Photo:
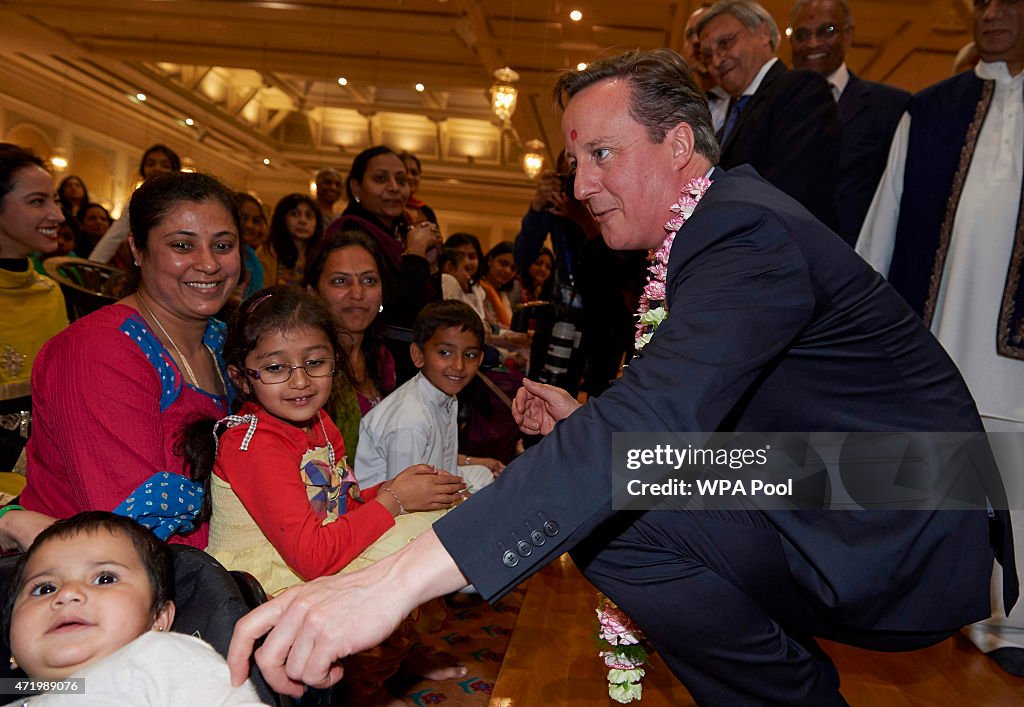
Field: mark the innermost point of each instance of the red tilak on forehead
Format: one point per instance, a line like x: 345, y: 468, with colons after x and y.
x: 573, y: 134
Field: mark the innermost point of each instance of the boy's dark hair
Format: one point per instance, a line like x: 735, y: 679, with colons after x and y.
x: 444, y: 314
x: 153, y: 552
x: 280, y: 308
x: 450, y: 255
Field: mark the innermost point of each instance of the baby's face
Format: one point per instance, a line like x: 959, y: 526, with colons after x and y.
x: 83, y: 598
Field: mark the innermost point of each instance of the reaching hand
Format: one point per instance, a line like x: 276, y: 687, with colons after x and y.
x: 314, y: 625
x: 537, y: 407
x: 423, y: 488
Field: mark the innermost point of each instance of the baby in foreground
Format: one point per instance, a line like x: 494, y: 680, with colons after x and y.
x: 94, y: 598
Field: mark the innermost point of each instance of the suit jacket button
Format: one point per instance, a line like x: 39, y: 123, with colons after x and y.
x: 537, y: 537
x: 524, y: 548
x: 510, y: 558
x: 550, y: 528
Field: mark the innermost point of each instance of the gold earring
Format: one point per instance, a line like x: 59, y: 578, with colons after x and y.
x: 14, y: 663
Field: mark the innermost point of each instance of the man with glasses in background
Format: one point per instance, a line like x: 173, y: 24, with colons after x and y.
x: 821, y: 32
x: 718, y: 99
x: 782, y: 122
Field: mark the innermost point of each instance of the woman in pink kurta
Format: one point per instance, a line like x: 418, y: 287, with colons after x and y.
x: 113, y: 391
x: 109, y: 404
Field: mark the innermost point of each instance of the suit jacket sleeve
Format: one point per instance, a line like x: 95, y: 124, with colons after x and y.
x: 721, y: 333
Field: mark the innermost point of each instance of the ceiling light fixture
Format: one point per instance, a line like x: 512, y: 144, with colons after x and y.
x: 59, y: 160
x: 141, y: 96
x: 581, y: 66
x: 266, y: 161
x: 342, y: 81
x: 420, y: 87
x: 503, y: 94
x: 533, y: 158
x: 575, y: 15
x: 189, y: 122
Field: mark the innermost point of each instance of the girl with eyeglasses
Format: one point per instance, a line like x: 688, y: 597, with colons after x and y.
x: 283, y: 503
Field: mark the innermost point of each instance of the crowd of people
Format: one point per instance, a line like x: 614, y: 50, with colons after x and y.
x: 290, y: 389
x: 121, y: 412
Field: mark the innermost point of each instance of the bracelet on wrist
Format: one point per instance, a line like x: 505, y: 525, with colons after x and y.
x: 401, y: 508
x: 12, y: 507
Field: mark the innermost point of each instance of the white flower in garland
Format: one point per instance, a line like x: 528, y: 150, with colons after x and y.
x: 652, y: 311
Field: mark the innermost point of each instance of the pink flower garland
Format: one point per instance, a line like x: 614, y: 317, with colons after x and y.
x: 652, y: 311
x: 624, y: 651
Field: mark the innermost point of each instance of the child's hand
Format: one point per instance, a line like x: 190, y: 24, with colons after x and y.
x: 493, y: 465
x: 424, y: 488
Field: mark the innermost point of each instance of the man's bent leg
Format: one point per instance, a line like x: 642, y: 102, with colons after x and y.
x: 713, y: 593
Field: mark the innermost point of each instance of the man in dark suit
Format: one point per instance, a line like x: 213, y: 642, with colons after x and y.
x: 774, y: 324
x: 821, y: 34
x: 782, y: 122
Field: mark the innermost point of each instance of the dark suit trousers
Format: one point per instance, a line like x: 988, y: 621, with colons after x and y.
x: 713, y: 592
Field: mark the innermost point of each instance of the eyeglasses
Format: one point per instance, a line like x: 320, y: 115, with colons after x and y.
x: 824, y: 32
x: 281, y: 372
x: 719, y: 46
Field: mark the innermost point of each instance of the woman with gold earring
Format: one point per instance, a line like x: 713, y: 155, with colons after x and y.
x: 112, y: 390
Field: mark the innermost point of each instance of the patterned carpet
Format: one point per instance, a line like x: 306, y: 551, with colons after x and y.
x: 477, y: 634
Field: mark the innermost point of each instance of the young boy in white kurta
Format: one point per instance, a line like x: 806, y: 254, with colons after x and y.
x: 418, y: 423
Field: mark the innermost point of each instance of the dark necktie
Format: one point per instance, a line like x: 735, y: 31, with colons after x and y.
x: 734, y: 113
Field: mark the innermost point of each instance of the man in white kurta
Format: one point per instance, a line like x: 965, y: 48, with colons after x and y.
x: 974, y: 271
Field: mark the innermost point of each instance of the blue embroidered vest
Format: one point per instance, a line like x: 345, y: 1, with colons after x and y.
x: 946, y: 120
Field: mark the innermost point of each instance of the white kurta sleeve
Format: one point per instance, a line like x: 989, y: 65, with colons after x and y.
x: 878, y: 234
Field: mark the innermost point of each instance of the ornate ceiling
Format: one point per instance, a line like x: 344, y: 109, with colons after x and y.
x: 259, y: 80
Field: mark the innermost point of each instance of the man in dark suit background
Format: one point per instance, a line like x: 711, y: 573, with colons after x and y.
x: 821, y: 34
x: 782, y: 122
x: 774, y: 325
x: 718, y: 99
